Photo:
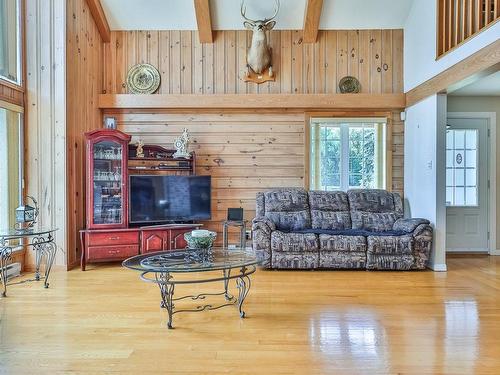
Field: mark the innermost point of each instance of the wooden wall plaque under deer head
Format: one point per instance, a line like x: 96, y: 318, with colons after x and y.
x: 259, y: 68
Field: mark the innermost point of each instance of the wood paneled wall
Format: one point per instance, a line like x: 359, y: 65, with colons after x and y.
x: 84, y: 56
x: 243, y: 152
x: 375, y: 57
x: 45, y: 130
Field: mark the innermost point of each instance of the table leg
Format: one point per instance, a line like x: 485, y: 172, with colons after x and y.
x: 227, y: 274
x: 167, y: 294
x: 224, y: 236
x: 243, y: 284
x: 50, y: 255
x: 5, y: 257
x: 47, y: 249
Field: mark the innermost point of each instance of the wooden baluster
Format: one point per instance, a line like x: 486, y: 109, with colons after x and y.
x: 463, y: 21
x: 487, y: 12
x: 470, y: 18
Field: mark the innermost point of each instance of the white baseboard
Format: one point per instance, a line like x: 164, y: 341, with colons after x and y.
x: 438, y: 267
x: 495, y: 252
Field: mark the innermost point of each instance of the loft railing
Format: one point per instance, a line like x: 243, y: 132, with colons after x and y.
x: 458, y: 20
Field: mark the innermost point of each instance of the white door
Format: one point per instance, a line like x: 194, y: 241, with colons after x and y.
x: 467, y: 185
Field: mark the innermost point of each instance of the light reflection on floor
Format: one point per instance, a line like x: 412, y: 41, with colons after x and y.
x: 349, y: 335
x: 353, y: 335
x: 462, y: 331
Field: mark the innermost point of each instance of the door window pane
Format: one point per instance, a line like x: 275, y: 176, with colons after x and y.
x: 9, y: 41
x: 461, y: 167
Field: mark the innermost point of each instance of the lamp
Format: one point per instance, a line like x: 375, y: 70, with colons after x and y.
x: 26, y: 215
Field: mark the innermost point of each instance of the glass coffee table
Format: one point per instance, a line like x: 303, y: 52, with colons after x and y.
x: 161, y: 267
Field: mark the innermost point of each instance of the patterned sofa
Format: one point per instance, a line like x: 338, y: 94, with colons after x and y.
x: 363, y: 228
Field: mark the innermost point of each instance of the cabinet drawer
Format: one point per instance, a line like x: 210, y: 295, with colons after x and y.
x: 113, y: 238
x: 112, y: 252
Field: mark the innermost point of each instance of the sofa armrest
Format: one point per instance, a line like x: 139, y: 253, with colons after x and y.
x: 262, y: 228
x: 422, y: 245
x: 408, y: 225
x: 263, y: 223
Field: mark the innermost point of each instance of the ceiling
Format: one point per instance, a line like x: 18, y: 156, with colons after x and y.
x: 487, y: 86
x: 179, y: 14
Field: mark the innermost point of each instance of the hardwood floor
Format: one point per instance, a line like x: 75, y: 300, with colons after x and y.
x: 105, y: 320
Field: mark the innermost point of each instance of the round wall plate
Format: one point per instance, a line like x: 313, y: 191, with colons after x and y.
x: 349, y: 85
x: 143, y: 79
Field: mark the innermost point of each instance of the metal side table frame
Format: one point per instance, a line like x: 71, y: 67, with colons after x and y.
x: 40, y: 240
x: 241, y: 224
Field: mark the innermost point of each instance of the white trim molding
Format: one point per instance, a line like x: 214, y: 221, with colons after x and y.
x: 438, y: 267
x: 492, y: 160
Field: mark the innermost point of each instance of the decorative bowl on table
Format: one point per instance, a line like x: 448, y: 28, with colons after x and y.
x: 200, y: 239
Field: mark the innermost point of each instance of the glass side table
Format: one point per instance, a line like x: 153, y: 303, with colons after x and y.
x: 241, y: 224
x: 40, y: 239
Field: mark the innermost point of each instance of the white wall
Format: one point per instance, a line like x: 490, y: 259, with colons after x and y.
x: 420, y: 62
x: 425, y: 130
x: 482, y: 104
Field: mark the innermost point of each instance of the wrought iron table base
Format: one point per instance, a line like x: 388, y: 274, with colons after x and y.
x: 43, y: 246
x: 165, y: 282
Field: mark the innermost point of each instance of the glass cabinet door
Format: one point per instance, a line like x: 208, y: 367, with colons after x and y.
x: 107, y: 182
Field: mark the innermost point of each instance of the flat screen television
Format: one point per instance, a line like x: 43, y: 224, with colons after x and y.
x: 167, y: 199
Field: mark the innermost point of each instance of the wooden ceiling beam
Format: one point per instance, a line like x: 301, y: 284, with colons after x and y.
x: 202, y: 10
x: 100, y: 19
x: 311, y: 20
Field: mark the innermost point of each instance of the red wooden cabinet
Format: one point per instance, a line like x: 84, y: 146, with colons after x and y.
x: 177, y: 240
x: 154, y: 240
x: 107, y: 163
x: 119, y: 244
x: 110, y: 159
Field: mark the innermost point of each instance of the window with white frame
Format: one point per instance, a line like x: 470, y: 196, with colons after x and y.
x: 347, y: 153
x: 10, y: 46
x: 10, y: 165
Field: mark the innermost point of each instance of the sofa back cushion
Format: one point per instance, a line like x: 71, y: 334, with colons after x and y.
x: 373, y: 209
x: 287, y: 208
x: 329, y: 210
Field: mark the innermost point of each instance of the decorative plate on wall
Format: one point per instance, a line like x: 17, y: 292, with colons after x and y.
x: 143, y: 79
x: 349, y: 85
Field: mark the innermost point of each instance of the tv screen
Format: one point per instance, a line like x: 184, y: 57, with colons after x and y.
x: 161, y: 199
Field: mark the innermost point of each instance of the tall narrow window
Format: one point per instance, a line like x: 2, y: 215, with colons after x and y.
x: 10, y: 166
x: 347, y: 153
x: 10, y: 51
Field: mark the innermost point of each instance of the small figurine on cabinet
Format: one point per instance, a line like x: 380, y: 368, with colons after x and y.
x: 181, y: 145
x: 140, y: 151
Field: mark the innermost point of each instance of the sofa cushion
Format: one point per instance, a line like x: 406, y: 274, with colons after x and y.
x: 329, y: 210
x: 390, y: 244
x: 342, y: 259
x: 342, y: 243
x: 288, y: 209
x: 373, y: 221
x: 295, y: 260
x: 375, y: 200
x: 373, y: 209
x: 353, y: 232
x: 293, y: 242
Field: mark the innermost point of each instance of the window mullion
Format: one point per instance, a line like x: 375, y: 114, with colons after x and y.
x: 344, y: 156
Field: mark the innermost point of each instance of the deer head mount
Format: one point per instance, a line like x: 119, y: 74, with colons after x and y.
x: 259, y: 55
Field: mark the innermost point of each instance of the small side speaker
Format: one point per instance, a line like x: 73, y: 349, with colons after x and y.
x: 235, y: 214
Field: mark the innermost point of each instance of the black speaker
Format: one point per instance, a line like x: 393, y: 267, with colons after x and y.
x: 235, y: 214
